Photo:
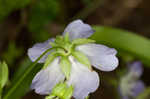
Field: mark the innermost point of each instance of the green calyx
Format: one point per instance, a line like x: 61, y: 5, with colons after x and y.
x: 64, y: 47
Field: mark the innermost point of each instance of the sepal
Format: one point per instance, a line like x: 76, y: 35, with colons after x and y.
x: 82, y: 58
x: 65, y: 66
x: 81, y: 41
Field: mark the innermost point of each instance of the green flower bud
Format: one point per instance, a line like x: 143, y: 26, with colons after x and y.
x: 61, y: 91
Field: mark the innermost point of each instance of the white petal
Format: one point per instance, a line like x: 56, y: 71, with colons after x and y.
x: 38, y: 49
x: 84, y: 80
x: 47, y: 78
x: 77, y: 29
x: 100, y: 56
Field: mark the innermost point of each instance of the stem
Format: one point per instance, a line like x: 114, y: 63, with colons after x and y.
x: 14, y: 87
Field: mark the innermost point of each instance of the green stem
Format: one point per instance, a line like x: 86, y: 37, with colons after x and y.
x: 14, y: 87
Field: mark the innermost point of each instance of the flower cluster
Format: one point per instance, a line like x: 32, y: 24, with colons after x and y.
x: 71, y: 60
x: 130, y: 85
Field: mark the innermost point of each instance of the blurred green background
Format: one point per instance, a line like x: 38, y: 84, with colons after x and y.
x: 25, y: 22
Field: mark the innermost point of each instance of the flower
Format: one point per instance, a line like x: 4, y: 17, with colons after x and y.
x: 71, y: 61
x: 130, y: 85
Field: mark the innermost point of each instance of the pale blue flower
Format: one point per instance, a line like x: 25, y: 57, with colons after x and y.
x: 83, y: 79
x: 131, y: 85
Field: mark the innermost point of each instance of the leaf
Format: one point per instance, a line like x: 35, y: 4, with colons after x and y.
x: 82, y: 58
x: 3, y: 74
x: 124, y: 41
x: 65, y: 66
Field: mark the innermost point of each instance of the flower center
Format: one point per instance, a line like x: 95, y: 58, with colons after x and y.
x: 62, y: 45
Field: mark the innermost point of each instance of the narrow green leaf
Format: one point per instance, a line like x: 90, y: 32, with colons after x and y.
x: 66, y: 37
x: 81, y: 41
x: 53, y: 44
x: 65, y: 66
x: 124, y: 41
x: 13, y: 92
x: 82, y: 58
x: 3, y: 74
x: 59, y: 40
